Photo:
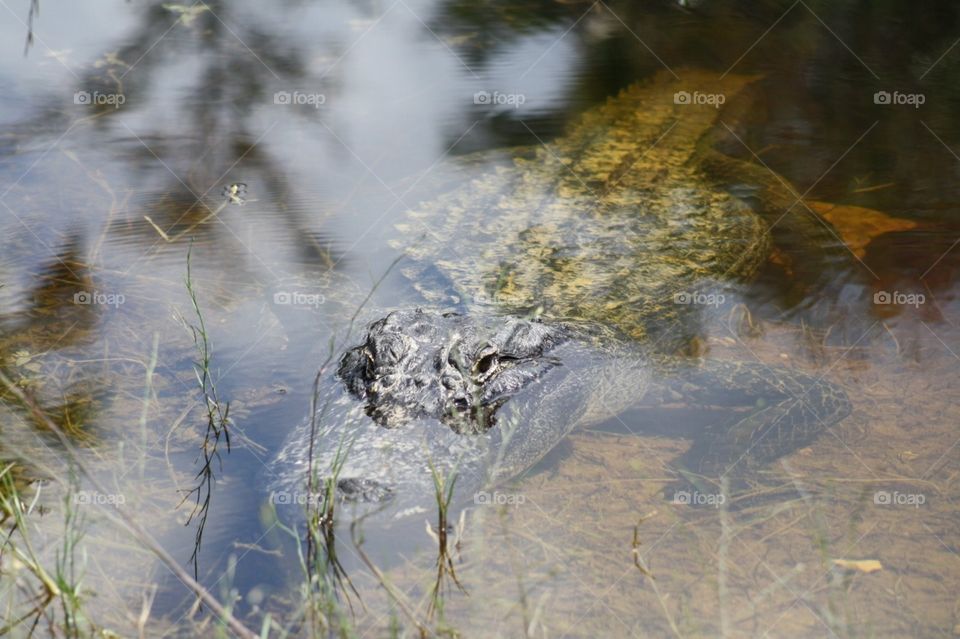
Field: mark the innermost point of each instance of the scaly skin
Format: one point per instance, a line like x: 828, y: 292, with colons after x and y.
x: 488, y: 396
x: 604, y: 224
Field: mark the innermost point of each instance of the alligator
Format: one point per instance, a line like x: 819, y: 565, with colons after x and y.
x: 554, y: 290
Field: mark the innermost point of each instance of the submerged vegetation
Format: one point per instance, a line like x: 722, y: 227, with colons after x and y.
x: 65, y: 584
x: 30, y: 595
x: 217, y: 427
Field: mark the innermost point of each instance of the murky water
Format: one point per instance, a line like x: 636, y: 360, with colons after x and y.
x: 278, y: 144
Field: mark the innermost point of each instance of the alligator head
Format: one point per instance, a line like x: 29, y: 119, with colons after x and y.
x: 456, y: 369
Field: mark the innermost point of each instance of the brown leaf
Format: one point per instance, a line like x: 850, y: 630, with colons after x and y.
x: 862, y: 565
x: 858, y: 225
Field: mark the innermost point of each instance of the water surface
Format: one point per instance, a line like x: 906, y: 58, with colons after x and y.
x: 123, y: 123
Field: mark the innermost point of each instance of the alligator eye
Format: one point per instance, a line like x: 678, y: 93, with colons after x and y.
x: 485, y: 364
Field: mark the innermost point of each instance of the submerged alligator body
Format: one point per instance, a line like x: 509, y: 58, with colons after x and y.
x: 565, y: 267
x: 487, y: 397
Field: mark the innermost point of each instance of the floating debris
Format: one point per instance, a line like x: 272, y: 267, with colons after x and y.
x: 236, y: 193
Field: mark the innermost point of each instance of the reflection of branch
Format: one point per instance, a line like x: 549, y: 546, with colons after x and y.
x: 128, y: 521
x: 311, y: 478
x: 321, y: 530
x: 218, y: 417
x: 320, y: 509
x: 443, y: 487
x: 34, y: 11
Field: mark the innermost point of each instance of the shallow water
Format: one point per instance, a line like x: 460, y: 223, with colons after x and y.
x: 123, y: 124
